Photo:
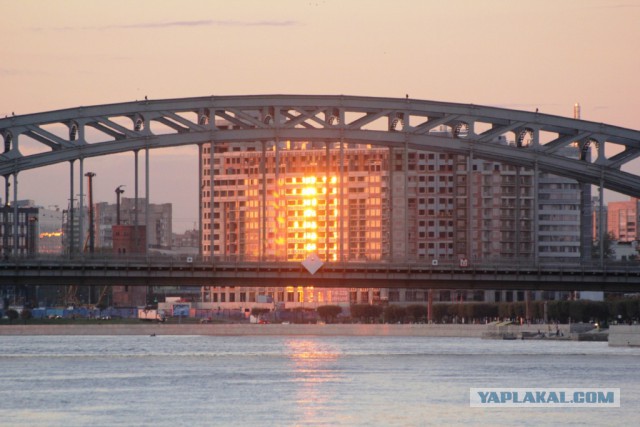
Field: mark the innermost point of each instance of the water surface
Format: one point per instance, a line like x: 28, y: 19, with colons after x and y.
x: 290, y: 381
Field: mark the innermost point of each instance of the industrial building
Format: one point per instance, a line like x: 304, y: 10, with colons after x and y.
x: 159, y: 227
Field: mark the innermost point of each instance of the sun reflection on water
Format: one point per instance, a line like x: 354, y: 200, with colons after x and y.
x: 314, y: 370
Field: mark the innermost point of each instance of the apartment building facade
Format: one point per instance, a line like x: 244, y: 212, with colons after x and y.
x: 622, y: 220
x: 365, y: 203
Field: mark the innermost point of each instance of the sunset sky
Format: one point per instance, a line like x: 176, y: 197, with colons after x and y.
x: 513, y: 54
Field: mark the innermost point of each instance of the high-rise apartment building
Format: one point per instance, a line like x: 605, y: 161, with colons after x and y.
x: 365, y: 203
x: 559, y: 221
x: 622, y: 220
x: 40, y: 230
x: 294, y: 208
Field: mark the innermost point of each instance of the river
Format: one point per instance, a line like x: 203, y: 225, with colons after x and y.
x: 291, y: 381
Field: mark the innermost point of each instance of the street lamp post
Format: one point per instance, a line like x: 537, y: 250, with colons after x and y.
x: 92, y: 241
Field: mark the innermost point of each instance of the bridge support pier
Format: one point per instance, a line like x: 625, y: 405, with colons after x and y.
x: 340, y: 216
x: 212, y: 152
x: 586, y: 225
x: 147, y: 214
x: 5, y: 217
x: 200, y: 202
x: 327, y: 192
x: 390, y: 204
x: 70, y: 216
x: 263, y: 208
x: 15, y: 214
x: 81, y: 206
x: 602, y: 232
x: 135, y: 203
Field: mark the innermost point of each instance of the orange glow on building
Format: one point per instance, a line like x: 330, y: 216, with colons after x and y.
x: 284, y: 201
x: 51, y: 234
x: 288, y: 205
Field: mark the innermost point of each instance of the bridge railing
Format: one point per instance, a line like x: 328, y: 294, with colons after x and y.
x: 556, y: 264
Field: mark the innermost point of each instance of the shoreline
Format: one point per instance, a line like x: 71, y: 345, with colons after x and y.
x: 424, y: 330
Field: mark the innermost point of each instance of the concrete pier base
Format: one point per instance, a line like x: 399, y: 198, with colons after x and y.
x: 624, y: 335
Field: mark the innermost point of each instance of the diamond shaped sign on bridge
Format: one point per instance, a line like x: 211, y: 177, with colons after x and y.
x: 312, y: 263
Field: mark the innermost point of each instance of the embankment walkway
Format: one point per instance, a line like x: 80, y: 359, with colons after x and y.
x: 433, y: 330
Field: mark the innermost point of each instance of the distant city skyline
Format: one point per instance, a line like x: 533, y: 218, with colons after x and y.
x: 544, y: 55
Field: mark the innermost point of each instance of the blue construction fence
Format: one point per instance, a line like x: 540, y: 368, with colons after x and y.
x: 178, y: 310
x: 85, y: 313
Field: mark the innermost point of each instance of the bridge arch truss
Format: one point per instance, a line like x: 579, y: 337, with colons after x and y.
x: 64, y: 135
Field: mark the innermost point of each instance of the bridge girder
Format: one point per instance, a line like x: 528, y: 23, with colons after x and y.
x: 471, y: 129
x: 567, y: 277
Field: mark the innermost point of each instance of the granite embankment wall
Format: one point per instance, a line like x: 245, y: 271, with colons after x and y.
x: 624, y: 335
x: 470, y: 331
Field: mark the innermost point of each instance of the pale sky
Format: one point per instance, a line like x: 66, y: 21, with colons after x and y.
x: 513, y: 54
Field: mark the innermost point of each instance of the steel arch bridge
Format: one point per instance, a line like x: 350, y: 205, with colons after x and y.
x: 472, y: 130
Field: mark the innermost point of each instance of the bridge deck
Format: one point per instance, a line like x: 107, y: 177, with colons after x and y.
x: 611, y: 277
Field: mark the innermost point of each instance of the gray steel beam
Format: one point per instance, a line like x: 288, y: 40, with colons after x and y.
x: 302, y: 123
x: 98, y: 272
